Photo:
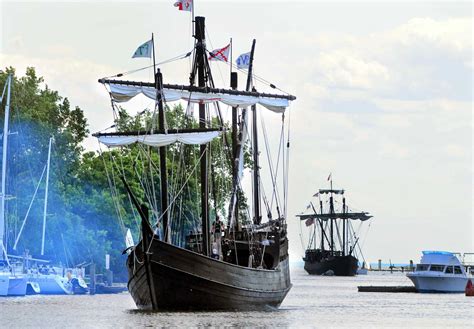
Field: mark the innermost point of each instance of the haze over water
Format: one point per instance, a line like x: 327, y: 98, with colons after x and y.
x: 313, y: 302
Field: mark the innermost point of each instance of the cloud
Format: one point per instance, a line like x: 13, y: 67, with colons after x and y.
x: 342, y: 69
x: 450, y: 34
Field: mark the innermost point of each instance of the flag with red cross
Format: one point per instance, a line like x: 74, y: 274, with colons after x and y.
x: 221, y: 54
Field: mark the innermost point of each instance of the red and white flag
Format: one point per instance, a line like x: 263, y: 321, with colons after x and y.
x: 185, y: 5
x: 221, y: 54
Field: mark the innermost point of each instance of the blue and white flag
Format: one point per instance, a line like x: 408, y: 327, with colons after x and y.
x: 144, y: 50
x: 243, y: 61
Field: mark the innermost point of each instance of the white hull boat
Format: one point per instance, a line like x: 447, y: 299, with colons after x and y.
x: 11, y: 285
x: 17, y: 286
x: 51, y: 284
x: 439, y: 271
x: 4, y: 281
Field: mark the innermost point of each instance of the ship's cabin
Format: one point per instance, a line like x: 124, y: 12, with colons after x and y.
x: 448, y: 269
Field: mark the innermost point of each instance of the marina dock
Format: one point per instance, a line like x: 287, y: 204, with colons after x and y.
x: 397, y: 289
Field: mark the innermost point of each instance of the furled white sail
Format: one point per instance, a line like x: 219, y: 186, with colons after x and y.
x: 123, y: 93
x: 158, y: 140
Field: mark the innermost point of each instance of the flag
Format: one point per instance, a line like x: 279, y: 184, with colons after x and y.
x: 316, y: 194
x: 221, y: 54
x: 243, y: 61
x: 185, y: 5
x: 329, y: 177
x: 144, y: 50
x: 309, y: 221
x: 308, y: 206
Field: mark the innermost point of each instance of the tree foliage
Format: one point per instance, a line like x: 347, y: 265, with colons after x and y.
x: 86, y: 217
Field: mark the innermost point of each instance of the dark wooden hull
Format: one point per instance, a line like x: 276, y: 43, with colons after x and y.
x: 339, y: 265
x: 179, y: 279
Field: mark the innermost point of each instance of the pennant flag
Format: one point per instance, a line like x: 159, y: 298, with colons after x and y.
x: 185, y: 5
x: 144, y: 50
x: 221, y: 54
x: 329, y: 177
x: 308, y: 206
x: 309, y: 221
x: 316, y: 194
x: 243, y: 61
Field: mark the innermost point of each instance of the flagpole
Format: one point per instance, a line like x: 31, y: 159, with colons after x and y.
x: 154, y: 63
x: 192, y: 15
x: 231, y: 49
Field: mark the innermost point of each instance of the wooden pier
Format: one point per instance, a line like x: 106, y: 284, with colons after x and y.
x: 395, y: 289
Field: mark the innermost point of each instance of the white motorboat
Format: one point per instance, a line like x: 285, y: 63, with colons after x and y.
x: 439, y: 271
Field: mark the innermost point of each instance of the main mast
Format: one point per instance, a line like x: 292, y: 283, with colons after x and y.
x: 162, y: 151
x: 200, y: 60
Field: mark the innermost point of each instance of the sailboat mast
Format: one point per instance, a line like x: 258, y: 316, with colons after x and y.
x: 200, y: 53
x: 46, y: 196
x: 162, y: 151
x: 4, y: 168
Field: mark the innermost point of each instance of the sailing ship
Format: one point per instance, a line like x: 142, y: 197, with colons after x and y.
x: 333, y: 245
x: 238, y: 263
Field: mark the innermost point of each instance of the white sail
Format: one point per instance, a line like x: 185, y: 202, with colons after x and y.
x: 123, y: 93
x: 129, y: 239
x: 159, y: 140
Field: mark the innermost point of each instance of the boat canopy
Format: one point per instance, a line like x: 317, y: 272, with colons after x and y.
x: 431, y: 252
x: 362, y: 216
x: 158, y: 140
x: 123, y: 93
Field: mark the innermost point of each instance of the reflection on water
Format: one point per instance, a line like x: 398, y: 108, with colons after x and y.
x: 320, y: 302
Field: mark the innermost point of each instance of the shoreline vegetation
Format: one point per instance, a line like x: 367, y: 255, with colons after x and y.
x: 86, y: 217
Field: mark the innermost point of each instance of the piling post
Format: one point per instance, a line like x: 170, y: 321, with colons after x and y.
x: 92, y: 279
x: 380, y: 264
x: 108, y: 272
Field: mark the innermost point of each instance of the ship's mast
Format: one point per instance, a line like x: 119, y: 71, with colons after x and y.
x: 200, y: 60
x: 321, y: 223
x: 344, y: 227
x: 235, y: 155
x: 331, y: 211
x: 4, y: 168
x: 162, y: 151
x: 255, y: 178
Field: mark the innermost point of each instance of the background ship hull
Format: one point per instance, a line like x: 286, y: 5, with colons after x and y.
x: 185, y: 280
x: 340, y: 265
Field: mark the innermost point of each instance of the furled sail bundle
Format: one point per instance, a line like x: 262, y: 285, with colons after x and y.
x: 158, y: 140
x: 123, y: 91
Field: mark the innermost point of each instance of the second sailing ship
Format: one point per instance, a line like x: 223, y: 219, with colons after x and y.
x: 333, y: 245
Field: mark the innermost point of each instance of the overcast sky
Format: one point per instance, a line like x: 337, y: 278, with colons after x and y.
x: 384, y: 95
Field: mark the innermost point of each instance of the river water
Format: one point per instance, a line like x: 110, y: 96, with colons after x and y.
x: 313, y: 302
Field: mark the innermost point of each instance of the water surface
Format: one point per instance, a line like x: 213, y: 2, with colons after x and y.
x: 313, y: 302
